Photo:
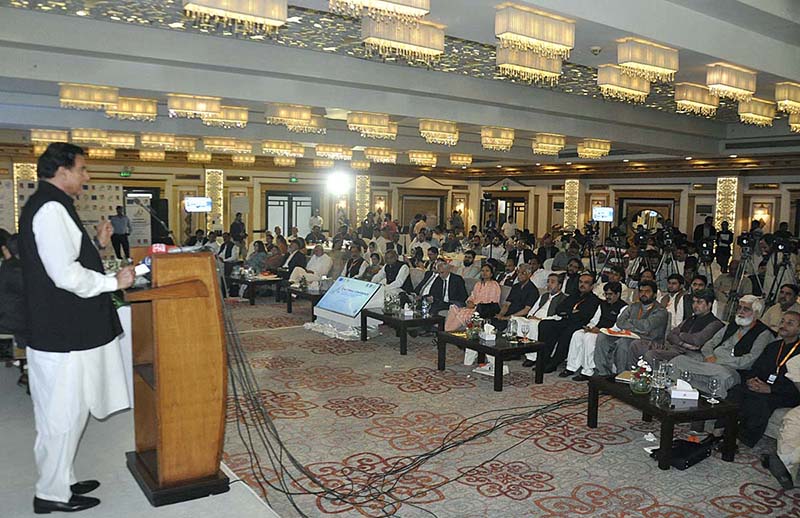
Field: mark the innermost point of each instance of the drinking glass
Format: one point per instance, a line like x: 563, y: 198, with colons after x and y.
x: 713, y: 387
x: 669, y: 372
x: 524, y: 327
x: 687, y: 376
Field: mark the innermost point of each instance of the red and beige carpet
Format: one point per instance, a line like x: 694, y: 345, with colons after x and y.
x: 353, y: 409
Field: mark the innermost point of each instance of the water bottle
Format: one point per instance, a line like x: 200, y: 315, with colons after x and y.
x: 425, y: 307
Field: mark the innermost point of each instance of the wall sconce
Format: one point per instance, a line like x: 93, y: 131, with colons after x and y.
x: 761, y: 212
x: 459, y: 205
x: 380, y: 203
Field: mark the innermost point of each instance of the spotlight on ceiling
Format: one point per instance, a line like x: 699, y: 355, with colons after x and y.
x: 339, y: 182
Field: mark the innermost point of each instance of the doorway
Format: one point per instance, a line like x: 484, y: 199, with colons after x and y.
x: 290, y: 209
x: 499, y: 209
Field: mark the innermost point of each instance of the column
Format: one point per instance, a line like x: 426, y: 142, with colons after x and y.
x: 725, y: 202
x: 572, y: 191
x: 362, y: 196
x: 23, y: 172
x: 214, y: 182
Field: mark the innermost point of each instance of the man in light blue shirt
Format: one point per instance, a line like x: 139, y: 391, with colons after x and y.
x: 121, y: 226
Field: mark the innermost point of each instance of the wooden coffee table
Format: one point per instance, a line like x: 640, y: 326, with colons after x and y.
x: 400, y: 323
x: 254, y: 283
x: 667, y: 414
x: 312, y: 295
x: 501, y: 349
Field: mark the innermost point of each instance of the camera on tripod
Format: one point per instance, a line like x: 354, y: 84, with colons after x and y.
x: 784, y: 246
x: 641, y: 237
x: 745, y: 240
x: 707, y: 250
x: 668, y: 237
x: 591, y: 229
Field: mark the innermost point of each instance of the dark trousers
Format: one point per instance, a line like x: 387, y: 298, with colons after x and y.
x: 723, y: 257
x: 120, y: 243
x: 755, y: 410
x: 556, y: 335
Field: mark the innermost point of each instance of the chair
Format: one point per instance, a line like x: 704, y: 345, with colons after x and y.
x: 548, y: 263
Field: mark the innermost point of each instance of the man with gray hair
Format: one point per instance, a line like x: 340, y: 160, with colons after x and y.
x: 733, y: 348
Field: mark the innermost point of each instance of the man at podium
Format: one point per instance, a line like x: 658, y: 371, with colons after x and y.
x: 74, y: 358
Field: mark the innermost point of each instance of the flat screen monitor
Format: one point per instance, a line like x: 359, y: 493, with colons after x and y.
x: 348, y: 296
x: 197, y: 204
x: 605, y: 214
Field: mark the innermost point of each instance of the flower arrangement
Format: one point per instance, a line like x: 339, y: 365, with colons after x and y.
x: 474, y: 325
x: 642, y: 375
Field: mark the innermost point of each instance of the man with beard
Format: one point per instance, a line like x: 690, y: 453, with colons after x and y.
x: 575, y: 312
x: 547, y: 250
x: 394, y: 275
x: 673, y: 301
x: 699, y: 283
x: 570, y: 286
x: 356, y: 265
x: 733, y: 348
x: 543, y: 309
x: 583, y: 342
x: 451, y: 244
x: 522, y: 297
x: 786, y: 301
x: 495, y: 250
x: 646, y: 318
x: 469, y: 269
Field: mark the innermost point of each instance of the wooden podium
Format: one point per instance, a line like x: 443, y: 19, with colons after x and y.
x: 180, y: 380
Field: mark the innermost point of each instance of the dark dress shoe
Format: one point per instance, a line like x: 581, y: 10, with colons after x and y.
x: 580, y: 377
x: 75, y: 504
x: 778, y: 469
x: 566, y: 373
x: 84, y: 486
x: 528, y: 363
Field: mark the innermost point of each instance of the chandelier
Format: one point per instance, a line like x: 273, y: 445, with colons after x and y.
x: 787, y: 95
x: 322, y: 163
x: 757, y: 112
x: 89, y: 136
x: 548, y: 143
x: 87, y: 97
x: 198, y: 156
x: 183, y: 144
x: 697, y: 99
x: 408, y: 11
x: 425, y: 158
x: 528, y: 66
x: 228, y: 117
x: 157, y: 140
x: 296, y: 117
x: 439, y: 132
x: 593, y: 148
x: 39, y: 149
x: 284, y: 161
x: 731, y: 82
x: 460, y: 159
x: 647, y: 59
x: 794, y: 122
x: 497, y: 139
x: 524, y: 28
x: 134, y: 109
x: 334, y: 152
x: 42, y: 136
x: 192, y: 106
x: 225, y: 145
x: 282, y: 148
x: 152, y: 155
x: 422, y: 41
x: 614, y: 84
x: 121, y: 141
x: 244, y: 160
x: 256, y: 16
x: 102, y: 153
x: 372, y: 125
x: 360, y: 165
x: 380, y: 155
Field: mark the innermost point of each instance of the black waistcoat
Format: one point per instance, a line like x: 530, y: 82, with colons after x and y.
x: 392, y: 270
x: 609, y: 313
x: 353, y: 267
x: 744, y: 345
x: 61, y: 321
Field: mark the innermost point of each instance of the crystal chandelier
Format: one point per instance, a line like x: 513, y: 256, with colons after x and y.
x: 360, y: 165
x: 697, y: 99
x: 43, y: 136
x: 282, y: 148
x: 198, y: 156
x: 614, y: 84
x: 390, y: 37
x: 528, y: 66
x: 524, y: 28
x: 244, y: 160
x: 460, y: 159
x: 256, y: 16
x: 593, y: 148
x: 228, y: 117
x: 380, y: 155
x: 439, y: 132
x: 731, y: 82
x: 794, y: 122
x: 121, y: 141
x: 284, y: 161
x: 787, y: 95
x: 372, y: 125
x: 757, y: 112
x: 102, y: 153
x: 647, y: 59
x: 548, y: 143
x: 152, y: 155
x: 89, y: 136
x: 424, y: 158
x: 193, y: 106
x: 295, y: 117
x: 87, y: 97
x: 183, y: 144
x: 322, y: 163
x: 134, y: 109
x: 222, y: 145
x: 497, y: 139
x: 158, y: 140
x: 334, y: 152
x: 408, y: 11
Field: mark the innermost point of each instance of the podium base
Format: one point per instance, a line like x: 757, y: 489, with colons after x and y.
x: 158, y: 496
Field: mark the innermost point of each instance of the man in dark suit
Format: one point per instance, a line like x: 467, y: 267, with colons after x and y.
x: 521, y: 254
x: 575, y: 311
x: 704, y: 231
x: 547, y: 250
x: 443, y: 287
x: 297, y: 255
x: 520, y: 300
x: 765, y: 386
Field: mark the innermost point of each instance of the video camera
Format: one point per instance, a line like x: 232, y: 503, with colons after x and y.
x: 668, y: 237
x: 745, y: 240
x: 591, y: 229
x: 784, y: 246
x: 706, y: 250
x: 641, y: 237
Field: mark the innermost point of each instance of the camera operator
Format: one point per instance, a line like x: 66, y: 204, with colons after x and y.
x: 781, y: 264
x: 704, y: 231
x: 724, y: 241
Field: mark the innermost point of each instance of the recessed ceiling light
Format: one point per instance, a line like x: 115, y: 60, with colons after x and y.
x: 688, y: 158
x: 176, y: 25
x: 733, y: 156
x: 463, y: 167
x: 569, y: 163
x: 625, y: 160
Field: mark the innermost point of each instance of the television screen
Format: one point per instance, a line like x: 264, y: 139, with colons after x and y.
x: 197, y: 204
x: 605, y: 214
x: 348, y: 296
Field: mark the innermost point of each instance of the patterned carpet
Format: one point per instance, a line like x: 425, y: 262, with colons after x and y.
x: 344, y: 405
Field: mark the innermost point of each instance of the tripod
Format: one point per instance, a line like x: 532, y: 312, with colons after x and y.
x: 666, y: 267
x: 746, y: 264
x: 588, y: 246
x: 780, y: 271
x: 614, y: 255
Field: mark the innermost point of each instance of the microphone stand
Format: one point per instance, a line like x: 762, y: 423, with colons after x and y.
x: 154, y: 215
